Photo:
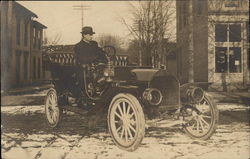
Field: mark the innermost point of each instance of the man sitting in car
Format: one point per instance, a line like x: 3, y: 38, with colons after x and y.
x: 87, y: 52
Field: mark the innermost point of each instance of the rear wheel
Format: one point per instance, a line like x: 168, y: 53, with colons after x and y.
x: 52, y: 111
x: 201, y: 119
x: 126, y: 121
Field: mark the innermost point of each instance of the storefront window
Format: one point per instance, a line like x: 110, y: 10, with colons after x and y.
x: 228, y: 48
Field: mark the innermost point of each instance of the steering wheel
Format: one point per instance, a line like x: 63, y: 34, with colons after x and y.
x: 110, y: 51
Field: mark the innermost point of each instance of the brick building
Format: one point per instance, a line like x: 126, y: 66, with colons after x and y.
x: 220, y: 33
x: 21, y: 41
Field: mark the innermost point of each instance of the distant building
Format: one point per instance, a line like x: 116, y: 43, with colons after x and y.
x: 21, y: 42
x: 169, y: 59
x: 220, y: 34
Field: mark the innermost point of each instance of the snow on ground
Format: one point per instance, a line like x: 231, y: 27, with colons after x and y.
x: 25, y: 135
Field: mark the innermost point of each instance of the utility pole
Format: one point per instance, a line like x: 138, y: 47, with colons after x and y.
x: 140, y: 44
x: 81, y: 8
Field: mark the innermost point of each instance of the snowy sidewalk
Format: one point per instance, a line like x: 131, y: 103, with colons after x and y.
x: 231, y: 97
x: 30, y: 95
x: 31, y: 89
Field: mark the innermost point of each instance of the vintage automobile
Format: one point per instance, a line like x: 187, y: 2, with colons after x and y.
x: 134, y: 98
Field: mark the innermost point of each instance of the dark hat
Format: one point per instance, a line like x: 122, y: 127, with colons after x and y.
x: 87, y: 30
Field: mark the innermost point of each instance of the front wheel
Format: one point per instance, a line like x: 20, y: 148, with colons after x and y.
x: 52, y: 111
x: 201, y: 119
x: 126, y: 121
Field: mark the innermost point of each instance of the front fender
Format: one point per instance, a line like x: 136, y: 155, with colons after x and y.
x: 193, y: 92
x: 169, y: 86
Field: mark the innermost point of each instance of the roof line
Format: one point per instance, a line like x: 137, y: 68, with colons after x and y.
x: 25, y: 9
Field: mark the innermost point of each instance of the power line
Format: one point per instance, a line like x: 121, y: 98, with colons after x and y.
x: 81, y: 8
x: 64, y: 26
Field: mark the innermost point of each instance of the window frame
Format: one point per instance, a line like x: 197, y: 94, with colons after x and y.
x: 26, y: 65
x: 229, y: 45
x: 34, y: 68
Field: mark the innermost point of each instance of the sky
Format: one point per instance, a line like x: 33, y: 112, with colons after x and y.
x: 61, y: 19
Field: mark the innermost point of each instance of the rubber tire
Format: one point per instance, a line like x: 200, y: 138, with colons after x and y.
x: 138, y: 108
x: 52, y: 90
x: 214, y: 124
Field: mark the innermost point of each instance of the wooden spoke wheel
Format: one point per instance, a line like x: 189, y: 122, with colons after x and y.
x: 126, y: 121
x: 202, y: 119
x: 52, y: 111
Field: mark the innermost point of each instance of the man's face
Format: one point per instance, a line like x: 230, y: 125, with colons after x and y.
x: 88, y: 37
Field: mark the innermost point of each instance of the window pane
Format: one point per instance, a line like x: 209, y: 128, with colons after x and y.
x: 220, y: 33
x: 26, y: 34
x: 234, y: 59
x: 34, y: 67
x: 235, y: 33
x: 38, y: 65
x: 25, y: 65
x: 18, y: 31
x: 18, y: 53
x: 220, y: 59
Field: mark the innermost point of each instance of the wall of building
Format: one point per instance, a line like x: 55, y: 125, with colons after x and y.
x: 19, y: 55
x: 212, y: 13
x: 228, y: 16
x: 20, y: 51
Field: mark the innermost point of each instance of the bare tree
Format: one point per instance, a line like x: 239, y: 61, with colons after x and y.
x: 151, y: 20
x: 55, y: 40
x: 113, y: 40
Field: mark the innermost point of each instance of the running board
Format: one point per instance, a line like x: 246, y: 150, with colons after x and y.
x: 75, y: 109
x: 163, y: 123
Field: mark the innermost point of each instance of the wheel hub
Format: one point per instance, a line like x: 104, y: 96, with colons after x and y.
x: 125, y: 121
